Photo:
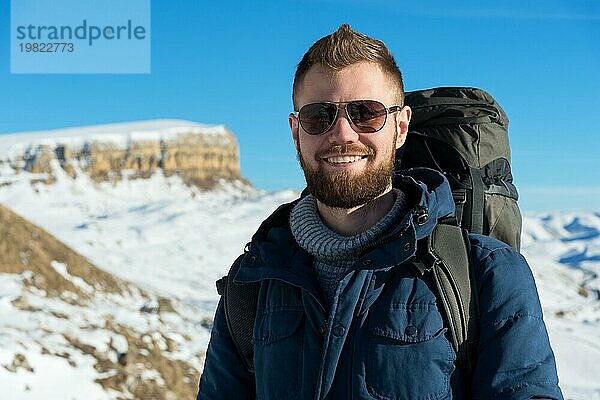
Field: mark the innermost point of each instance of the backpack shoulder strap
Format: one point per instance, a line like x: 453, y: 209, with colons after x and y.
x: 239, y: 303
x: 445, y: 254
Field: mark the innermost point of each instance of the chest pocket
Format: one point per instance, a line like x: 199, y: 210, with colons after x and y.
x: 277, y: 353
x: 408, y: 355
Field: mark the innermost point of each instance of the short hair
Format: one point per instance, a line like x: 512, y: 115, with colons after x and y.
x: 346, y: 47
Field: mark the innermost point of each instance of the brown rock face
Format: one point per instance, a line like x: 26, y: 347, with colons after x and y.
x: 199, y: 158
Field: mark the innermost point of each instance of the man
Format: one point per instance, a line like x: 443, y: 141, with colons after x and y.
x: 341, y: 313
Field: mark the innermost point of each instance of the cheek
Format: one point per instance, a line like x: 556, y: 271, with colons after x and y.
x: 309, y: 145
x: 383, y: 148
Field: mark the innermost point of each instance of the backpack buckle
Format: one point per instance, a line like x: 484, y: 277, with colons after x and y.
x: 459, y: 196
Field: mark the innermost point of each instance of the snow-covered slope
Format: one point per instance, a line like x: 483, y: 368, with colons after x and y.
x: 167, y: 238
x: 563, y: 250
x: 175, y: 241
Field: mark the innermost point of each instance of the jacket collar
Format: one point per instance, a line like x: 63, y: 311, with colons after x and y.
x: 274, y: 254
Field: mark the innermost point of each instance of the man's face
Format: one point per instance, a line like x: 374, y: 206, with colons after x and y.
x: 344, y: 168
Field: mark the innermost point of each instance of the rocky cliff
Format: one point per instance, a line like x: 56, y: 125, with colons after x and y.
x: 202, y: 155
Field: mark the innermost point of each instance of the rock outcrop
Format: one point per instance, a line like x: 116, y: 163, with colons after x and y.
x: 201, y: 155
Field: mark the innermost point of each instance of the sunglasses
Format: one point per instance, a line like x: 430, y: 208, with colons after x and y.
x: 366, y: 116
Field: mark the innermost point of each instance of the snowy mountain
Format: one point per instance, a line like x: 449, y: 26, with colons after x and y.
x: 200, y: 154
x: 128, y: 316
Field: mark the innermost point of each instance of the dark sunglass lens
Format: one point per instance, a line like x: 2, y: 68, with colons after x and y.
x: 368, y: 115
x: 317, y: 118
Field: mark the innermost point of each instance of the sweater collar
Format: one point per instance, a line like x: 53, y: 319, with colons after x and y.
x: 316, y: 238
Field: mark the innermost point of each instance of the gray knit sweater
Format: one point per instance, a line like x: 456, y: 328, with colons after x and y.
x: 334, y: 253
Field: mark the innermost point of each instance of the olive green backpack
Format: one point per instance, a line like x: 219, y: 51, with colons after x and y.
x: 463, y: 133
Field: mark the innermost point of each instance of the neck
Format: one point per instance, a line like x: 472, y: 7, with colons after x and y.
x: 352, y: 221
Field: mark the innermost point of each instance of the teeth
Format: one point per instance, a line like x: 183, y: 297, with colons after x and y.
x: 343, y: 159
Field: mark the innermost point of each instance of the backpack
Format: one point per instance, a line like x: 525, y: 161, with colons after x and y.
x: 462, y: 132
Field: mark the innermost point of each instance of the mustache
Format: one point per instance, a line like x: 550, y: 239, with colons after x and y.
x: 342, y: 149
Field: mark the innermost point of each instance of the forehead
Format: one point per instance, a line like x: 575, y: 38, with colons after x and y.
x: 359, y: 81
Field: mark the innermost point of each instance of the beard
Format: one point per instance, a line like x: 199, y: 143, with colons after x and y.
x: 348, y: 189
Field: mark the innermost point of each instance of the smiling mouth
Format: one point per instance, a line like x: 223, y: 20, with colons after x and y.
x: 344, y: 159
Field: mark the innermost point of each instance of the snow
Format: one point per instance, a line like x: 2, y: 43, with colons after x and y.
x: 171, y: 238
x: 563, y: 250
x: 175, y: 241
x: 52, y: 378
x: 44, y: 375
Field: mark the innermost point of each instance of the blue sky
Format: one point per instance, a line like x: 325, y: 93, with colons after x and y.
x: 232, y: 62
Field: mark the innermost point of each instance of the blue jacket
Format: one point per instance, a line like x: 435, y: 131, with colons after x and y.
x: 383, y: 337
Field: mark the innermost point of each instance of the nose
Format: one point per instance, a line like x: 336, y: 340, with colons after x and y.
x: 342, y: 132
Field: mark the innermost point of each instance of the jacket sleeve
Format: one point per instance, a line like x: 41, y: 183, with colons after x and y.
x: 514, y: 357
x: 224, y: 375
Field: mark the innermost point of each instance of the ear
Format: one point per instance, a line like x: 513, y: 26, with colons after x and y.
x: 402, y: 121
x: 293, y: 121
